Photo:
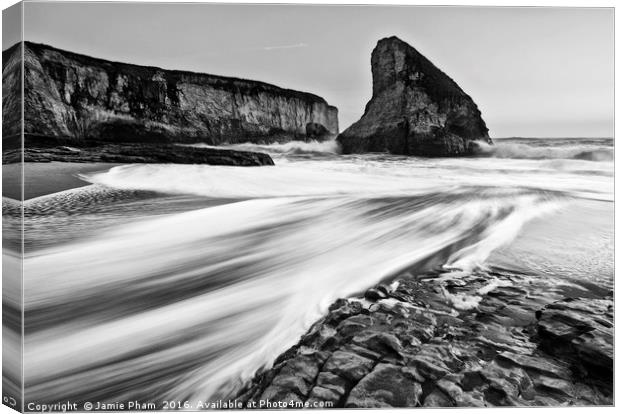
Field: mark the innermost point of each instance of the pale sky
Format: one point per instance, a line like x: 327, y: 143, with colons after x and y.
x: 537, y: 72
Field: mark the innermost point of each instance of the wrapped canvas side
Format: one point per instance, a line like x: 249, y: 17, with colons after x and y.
x: 12, y: 209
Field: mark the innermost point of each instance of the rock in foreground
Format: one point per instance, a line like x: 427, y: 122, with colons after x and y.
x: 496, y: 339
x: 415, y: 109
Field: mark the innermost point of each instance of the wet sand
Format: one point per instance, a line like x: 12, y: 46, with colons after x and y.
x: 46, y: 178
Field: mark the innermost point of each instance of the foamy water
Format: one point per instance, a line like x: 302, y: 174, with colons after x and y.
x: 187, y: 302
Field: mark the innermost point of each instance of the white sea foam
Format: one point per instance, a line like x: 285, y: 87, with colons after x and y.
x: 240, y: 281
x: 361, y: 176
x: 198, y: 301
x: 492, y: 285
x: 524, y: 151
x: 233, y: 182
x: 312, y: 147
x: 462, y: 301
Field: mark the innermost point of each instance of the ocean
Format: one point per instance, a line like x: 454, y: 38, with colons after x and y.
x: 179, y: 282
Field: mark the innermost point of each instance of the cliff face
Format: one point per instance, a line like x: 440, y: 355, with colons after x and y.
x: 11, y: 91
x: 76, y: 96
x: 415, y: 108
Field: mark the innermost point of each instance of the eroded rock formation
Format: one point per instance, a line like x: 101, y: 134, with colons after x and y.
x: 78, y: 97
x: 527, y: 342
x: 138, y: 153
x: 415, y: 108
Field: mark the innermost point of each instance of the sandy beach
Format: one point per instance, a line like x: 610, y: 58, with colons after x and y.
x: 46, y: 178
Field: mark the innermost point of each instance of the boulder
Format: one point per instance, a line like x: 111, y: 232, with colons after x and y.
x: 348, y: 365
x: 374, y: 295
x: 314, y: 130
x: 386, y: 386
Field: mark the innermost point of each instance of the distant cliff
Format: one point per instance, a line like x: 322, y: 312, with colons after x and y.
x: 415, y: 109
x: 68, y: 95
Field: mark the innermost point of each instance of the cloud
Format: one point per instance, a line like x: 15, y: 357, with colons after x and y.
x: 295, y: 46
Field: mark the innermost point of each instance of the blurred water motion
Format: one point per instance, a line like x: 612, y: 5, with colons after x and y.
x: 179, y: 281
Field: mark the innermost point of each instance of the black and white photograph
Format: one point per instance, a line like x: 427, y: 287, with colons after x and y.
x: 216, y: 206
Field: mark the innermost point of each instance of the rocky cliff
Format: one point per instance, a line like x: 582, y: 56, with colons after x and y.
x: 11, y: 92
x: 83, y: 98
x: 415, y: 108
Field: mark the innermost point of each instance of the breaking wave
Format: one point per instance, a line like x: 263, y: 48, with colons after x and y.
x: 292, y: 148
x: 367, y: 177
x: 524, y: 151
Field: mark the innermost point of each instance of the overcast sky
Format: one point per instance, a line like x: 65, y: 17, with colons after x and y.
x: 532, y: 71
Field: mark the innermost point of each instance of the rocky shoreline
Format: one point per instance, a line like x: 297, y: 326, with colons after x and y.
x: 487, y: 339
x: 138, y: 153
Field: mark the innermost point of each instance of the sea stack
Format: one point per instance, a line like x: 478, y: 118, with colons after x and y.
x: 415, y: 108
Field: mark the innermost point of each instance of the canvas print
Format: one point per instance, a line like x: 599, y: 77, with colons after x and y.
x: 216, y: 206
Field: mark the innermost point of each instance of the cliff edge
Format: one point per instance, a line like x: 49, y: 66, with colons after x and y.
x: 77, y: 97
x: 415, y: 108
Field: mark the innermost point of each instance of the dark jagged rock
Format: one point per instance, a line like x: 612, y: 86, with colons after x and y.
x: 373, y: 294
x: 415, y: 108
x: 413, y: 346
x: 386, y: 386
x: 11, y: 93
x: 81, y: 98
x: 139, y: 153
x: 580, y: 332
x: 316, y: 131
